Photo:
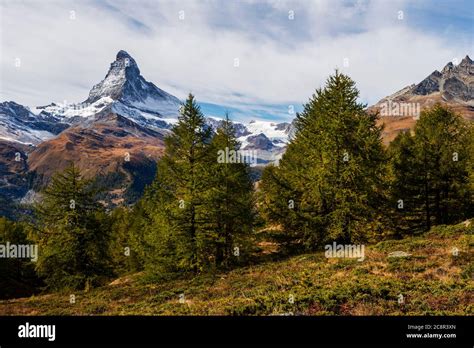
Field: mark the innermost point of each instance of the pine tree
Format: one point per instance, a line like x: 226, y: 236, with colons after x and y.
x: 431, y: 169
x: 174, y: 208
x: 72, y: 233
x: 329, y: 183
x: 230, y: 198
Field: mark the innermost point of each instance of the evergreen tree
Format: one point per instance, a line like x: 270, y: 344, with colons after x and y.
x: 229, y: 199
x: 329, y: 183
x: 72, y: 233
x: 175, y: 210
x: 431, y: 170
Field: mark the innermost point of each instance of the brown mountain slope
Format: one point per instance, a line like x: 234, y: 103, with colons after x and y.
x: 13, y: 167
x: 105, y: 145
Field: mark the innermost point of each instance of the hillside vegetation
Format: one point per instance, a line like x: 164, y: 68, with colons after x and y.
x: 431, y: 280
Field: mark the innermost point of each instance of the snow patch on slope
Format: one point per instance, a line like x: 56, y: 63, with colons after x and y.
x: 70, y: 111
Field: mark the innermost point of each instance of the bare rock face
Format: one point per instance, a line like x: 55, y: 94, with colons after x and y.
x: 428, y: 85
x: 454, y: 81
x: 259, y: 142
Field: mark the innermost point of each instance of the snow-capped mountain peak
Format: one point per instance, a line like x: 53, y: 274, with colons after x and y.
x: 124, y: 67
x: 125, y: 84
x: 124, y: 91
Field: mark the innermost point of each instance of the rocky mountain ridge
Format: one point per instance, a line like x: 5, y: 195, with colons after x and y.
x: 452, y: 86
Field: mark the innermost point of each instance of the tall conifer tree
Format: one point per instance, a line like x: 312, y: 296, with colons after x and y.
x: 72, y: 233
x: 176, y: 206
x: 329, y: 183
x: 230, y: 198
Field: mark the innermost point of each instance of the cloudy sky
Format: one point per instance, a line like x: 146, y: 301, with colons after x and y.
x: 285, y: 49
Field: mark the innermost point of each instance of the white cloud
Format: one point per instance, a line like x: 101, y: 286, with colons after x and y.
x: 281, y: 61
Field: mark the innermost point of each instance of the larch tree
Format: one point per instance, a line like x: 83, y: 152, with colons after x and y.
x: 329, y: 183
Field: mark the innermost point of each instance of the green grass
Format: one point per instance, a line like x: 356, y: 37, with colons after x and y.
x: 432, y: 282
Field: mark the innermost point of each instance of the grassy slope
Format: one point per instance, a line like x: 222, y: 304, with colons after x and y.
x: 432, y: 281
